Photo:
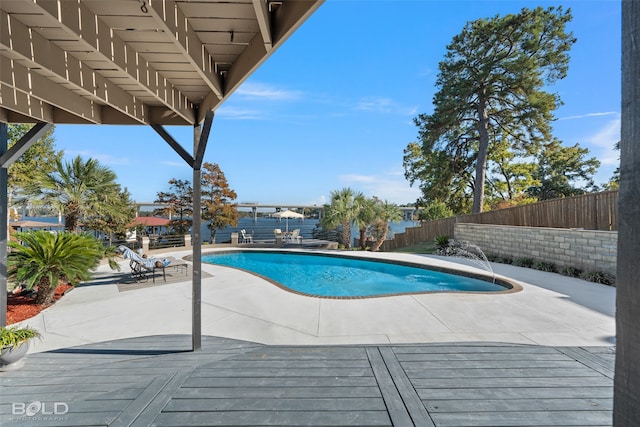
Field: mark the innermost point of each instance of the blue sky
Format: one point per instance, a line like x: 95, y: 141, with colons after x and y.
x: 334, y: 106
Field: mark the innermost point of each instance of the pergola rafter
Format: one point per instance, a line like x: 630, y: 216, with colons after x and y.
x: 172, y: 20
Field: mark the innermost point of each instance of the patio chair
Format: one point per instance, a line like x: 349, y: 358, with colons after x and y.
x: 295, y: 236
x: 246, y: 238
x: 140, y: 266
x: 278, y: 234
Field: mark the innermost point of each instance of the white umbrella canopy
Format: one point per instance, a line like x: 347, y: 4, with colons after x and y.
x: 287, y: 214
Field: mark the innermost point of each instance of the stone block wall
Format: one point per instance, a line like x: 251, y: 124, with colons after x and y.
x: 589, y: 250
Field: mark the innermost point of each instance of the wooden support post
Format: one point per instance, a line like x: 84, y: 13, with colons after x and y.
x: 196, y: 241
x: 200, y: 138
x: 626, y: 408
x: 4, y: 221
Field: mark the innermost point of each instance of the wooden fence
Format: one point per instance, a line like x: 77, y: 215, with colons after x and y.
x: 594, y: 211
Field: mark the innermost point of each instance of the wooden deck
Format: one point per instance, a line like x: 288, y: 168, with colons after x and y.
x: 156, y: 381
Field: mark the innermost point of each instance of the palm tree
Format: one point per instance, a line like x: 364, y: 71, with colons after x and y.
x: 340, y: 212
x: 366, y: 215
x: 44, y: 258
x: 386, y: 213
x: 77, y: 188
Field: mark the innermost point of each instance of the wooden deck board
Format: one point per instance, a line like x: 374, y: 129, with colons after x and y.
x: 528, y: 418
x: 519, y: 405
x: 279, y: 418
x: 154, y: 381
x: 515, y: 393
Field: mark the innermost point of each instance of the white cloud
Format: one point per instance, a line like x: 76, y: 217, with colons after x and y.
x: 234, y: 113
x: 104, y: 159
x: 360, y: 179
x: 584, y: 116
x: 267, y: 92
x: 604, y: 140
x: 388, y: 185
x: 174, y: 164
x: 384, y: 105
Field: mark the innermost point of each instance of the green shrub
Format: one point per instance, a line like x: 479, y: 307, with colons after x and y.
x: 545, y: 266
x: 435, y: 210
x: 441, y: 241
x: 523, y: 262
x: 599, y: 277
x: 571, y: 271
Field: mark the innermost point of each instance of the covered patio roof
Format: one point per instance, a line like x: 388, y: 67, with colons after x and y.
x: 137, y: 62
x: 164, y: 62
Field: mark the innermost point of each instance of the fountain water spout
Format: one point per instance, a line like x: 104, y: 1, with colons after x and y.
x: 464, y: 249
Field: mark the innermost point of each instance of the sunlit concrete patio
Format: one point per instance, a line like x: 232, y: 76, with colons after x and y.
x: 550, y: 310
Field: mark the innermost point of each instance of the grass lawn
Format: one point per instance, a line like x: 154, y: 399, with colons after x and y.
x: 420, y: 248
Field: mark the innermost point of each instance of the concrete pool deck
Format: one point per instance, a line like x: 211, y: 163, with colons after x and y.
x: 551, y: 310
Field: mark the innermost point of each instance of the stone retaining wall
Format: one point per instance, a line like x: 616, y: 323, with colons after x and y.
x: 588, y: 250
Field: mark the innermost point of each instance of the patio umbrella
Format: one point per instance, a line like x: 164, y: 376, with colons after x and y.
x: 29, y: 224
x: 287, y: 214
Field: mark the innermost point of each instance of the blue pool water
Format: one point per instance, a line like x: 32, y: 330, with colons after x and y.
x: 331, y: 276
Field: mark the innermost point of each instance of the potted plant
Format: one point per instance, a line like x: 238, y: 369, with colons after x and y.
x: 14, y: 342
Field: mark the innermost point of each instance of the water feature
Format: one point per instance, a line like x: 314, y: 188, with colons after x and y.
x: 464, y: 249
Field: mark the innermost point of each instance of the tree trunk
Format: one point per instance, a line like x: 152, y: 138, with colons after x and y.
x: 45, y: 292
x: 71, y: 216
x: 626, y: 407
x: 363, y: 240
x: 346, y: 234
x: 381, y: 239
x: 481, y: 161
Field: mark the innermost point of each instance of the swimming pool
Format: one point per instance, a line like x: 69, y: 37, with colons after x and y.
x: 346, y: 277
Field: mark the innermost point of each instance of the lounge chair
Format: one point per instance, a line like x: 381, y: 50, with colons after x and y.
x: 246, y: 238
x: 140, y: 266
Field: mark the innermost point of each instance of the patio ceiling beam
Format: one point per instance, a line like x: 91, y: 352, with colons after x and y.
x: 264, y: 22
x: 87, y: 28
x: 22, y: 79
x: 174, y: 144
x: 30, y: 108
x: 24, y: 143
x: 170, y: 19
x: 40, y: 53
